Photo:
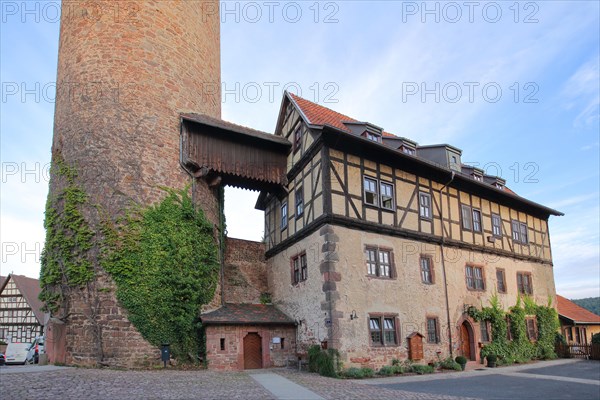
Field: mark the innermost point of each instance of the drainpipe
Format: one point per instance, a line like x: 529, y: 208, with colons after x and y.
x: 450, y: 347
x: 221, y: 240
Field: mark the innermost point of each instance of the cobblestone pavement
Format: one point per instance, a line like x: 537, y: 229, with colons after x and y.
x: 90, y: 384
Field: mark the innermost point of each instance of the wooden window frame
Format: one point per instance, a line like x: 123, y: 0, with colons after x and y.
x: 473, y: 268
x: 498, y: 226
x: 298, y: 138
x: 436, y: 323
x: 373, y: 137
x: 393, y: 197
x: 503, y: 273
x: 479, y: 221
x: 375, y: 193
x: 485, y: 325
x: 429, y: 260
x: 425, y: 207
x: 378, y: 271
x: 532, y: 334
x: 466, y: 218
x: 520, y: 232
x: 521, y: 287
x: 299, y: 201
x: 381, y: 318
x: 300, y: 270
x: 284, y: 215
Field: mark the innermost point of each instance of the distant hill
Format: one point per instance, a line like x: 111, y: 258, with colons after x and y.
x: 589, y: 303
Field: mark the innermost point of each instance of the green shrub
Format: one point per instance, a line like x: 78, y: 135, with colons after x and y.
x: 398, y: 369
x: 560, y: 339
x: 422, y: 369
x: 313, y: 355
x: 328, y: 363
x: 367, y: 372
x: 461, y: 360
x: 596, y: 338
x: 491, y: 358
x: 396, y: 361
x: 387, y: 370
x: 450, y: 364
x: 353, y: 373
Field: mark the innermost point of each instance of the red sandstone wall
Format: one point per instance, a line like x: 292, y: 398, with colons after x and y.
x: 245, y: 271
x: 126, y: 70
x: 232, y: 358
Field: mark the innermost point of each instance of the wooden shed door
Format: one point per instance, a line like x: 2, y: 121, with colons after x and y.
x: 252, y: 351
x: 465, y: 341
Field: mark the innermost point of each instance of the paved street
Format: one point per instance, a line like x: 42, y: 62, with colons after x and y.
x: 561, y: 379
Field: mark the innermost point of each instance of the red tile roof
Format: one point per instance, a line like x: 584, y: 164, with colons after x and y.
x: 572, y: 311
x: 243, y: 314
x: 319, y: 115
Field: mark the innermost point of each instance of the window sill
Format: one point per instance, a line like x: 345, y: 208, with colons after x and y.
x: 428, y: 219
x: 381, y: 278
x: 475, y: 290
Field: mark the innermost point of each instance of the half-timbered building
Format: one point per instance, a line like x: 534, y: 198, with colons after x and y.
x: 21, y: 315
x: 376, y: 237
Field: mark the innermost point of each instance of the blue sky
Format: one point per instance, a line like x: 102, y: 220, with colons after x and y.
x: 515, y: 85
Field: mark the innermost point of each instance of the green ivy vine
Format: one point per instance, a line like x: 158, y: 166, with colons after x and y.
x: 163, y: 259
x: 66, y: 259
x: 165, y: 264
x: 519, y: 349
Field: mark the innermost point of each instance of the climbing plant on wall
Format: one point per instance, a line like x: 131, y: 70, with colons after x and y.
x: 66, y: 261
x: 164, y: 261
x: 519, y: 348
x: 163, y: 258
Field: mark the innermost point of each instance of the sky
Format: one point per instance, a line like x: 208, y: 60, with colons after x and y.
x: 515, y: 85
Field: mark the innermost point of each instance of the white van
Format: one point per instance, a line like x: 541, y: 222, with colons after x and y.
x: 16, y: 353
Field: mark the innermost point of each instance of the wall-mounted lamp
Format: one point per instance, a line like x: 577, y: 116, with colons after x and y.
x: 299, y: 322
x: 353, y: 315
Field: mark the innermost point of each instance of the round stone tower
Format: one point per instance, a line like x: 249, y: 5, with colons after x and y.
x: 126, y: 71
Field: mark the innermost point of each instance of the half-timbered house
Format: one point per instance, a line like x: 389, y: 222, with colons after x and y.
x: 21, y: 315
x: 376, y: 237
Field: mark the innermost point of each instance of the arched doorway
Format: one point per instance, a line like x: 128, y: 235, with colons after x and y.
x: 252, y: 351
x: 467, y: 343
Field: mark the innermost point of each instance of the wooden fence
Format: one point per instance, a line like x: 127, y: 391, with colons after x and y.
x: 587, y: 351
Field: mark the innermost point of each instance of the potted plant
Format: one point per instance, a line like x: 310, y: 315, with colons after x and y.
x: 462, y: 361
x: 491, y: 360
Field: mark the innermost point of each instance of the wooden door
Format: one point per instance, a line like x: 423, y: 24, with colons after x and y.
x: 465, y: 341
x: 252, y: 351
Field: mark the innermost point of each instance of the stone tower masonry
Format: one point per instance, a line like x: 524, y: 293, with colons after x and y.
x: 126, y: 70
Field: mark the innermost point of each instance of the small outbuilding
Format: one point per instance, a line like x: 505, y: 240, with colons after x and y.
x: 248, y: 336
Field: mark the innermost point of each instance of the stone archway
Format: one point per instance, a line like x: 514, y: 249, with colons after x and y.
x: 467, y: 341
x: 253, y: 351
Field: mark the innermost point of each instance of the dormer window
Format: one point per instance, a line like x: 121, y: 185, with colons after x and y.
x: 478, y: 177
x: 499, y: 186
x: 372, y: 137
x: 407, y: 150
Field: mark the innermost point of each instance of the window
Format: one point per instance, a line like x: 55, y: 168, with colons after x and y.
x: 371, y: 191
x: 299, y: 202
x: 531, y: 328
x: 282, y: 343
x: 496, y: 225
x: 284, y: 215
x: 519, y: 232
x: 379, y: 262
x: 387, y: 195
x: 477, y: 177
x: 425, y: 205
x: 222, y: 344
x: 426, y: 270
x: 501, y: 280
x: 432, y: 330
x: 383, y: 330
x: 476, y: 220
x: 372, y: 137
x: 524, y: 283
x: 407, y: 150
x: 474, y: 277
x: 298, y: 138
x: 508, y: 329
x: 375, y: 329
x: 299, y: 268
x: 466, y: 217
x: 485, y: 333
